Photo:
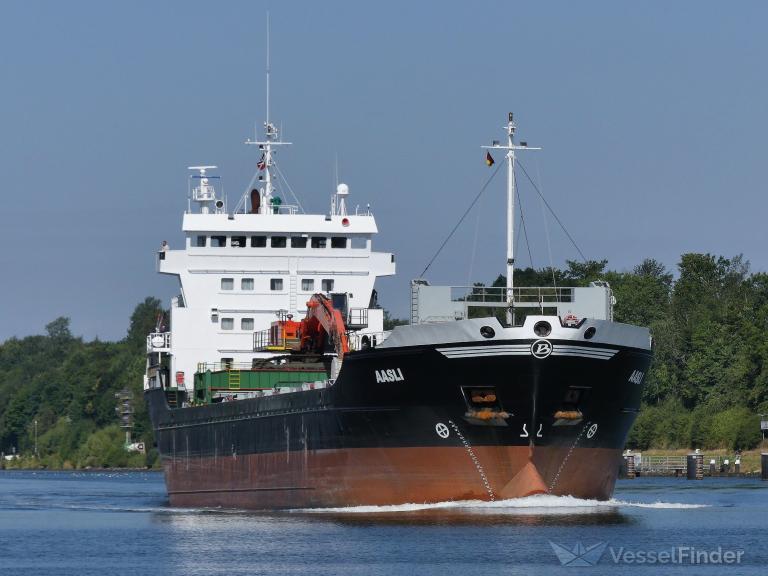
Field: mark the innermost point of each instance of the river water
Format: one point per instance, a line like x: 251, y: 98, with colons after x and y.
x: 83, y: 523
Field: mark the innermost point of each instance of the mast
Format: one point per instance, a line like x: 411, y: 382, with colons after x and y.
x: 511, y: 147
x: 510, y: 220
x: 271, y: 138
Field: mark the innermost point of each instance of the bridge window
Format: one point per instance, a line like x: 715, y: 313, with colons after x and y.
x: 227, y: 283
x: 298, y: 241
x: 276, y: 284
x: 258, y: 241
x: 279, y: 241
x: 200, y: 241
x: 246, y: 324
x: 227, y: 323
x: 307, y: 284
x: 238, y: 242
x: 218, y: 241
x: 327, y: 284
x: 359, y: 242
x: 246, y: 284
x: 338, y: 242
x: 319, y: 241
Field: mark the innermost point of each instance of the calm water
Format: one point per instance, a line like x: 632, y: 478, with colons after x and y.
x: 57, y: 523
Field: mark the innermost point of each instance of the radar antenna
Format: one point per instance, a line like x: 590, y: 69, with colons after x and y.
x: 204, y: 193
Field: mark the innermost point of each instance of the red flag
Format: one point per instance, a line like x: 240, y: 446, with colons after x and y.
x: 489, y: 159
x: 261, y: 164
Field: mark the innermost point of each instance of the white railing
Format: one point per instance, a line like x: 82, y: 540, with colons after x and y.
x: 491, y: 294
x: 357, y: 339
x: 284, y: 209
x: 158, y: 341
x: 357, y: 317
x: 223, y: 366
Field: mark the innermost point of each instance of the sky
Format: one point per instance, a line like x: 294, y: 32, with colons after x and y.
x: 652, y: 118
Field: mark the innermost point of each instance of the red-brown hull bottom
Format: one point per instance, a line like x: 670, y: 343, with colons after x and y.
x: 384, y: 476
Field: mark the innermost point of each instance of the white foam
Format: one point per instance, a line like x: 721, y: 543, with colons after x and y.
x: 538, y: 504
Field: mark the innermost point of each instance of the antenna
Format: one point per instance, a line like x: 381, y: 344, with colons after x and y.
x: 265, y: 163
x: 337, y: 168
x: 202, y: 169
x: 336, y: 184
x: 268, y: 27
x: 204, y: 193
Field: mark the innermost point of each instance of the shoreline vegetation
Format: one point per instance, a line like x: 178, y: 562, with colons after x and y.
x: 705, y: 389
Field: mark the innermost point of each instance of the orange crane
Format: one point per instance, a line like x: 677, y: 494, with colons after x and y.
x: 323, y: 321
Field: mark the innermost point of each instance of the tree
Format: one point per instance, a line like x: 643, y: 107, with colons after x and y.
x: 582, y: 273
x: 58, y: 329
x: 390, y: 323
x: 144, y: 320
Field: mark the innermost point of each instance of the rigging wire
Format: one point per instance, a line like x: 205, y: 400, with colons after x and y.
x: 245, y: 193
x: 474, y: 249
x: 584, y: 258
x: 522, y: 221
x: 527, y: 243
x: 463, y: 216
x: 280, y: 173
x: 546, y: 234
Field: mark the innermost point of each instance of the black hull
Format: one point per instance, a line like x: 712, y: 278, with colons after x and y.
x: 397, y: 427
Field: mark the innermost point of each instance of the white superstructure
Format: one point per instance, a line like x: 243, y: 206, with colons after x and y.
x: 239, y: 271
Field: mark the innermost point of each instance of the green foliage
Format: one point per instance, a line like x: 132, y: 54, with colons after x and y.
x: 736, y: 428
x: 390, y: 323
x: 665, y: 425
x: 68, y: 386
x: 105, y: 449
x: 582, y: 273
x: 144, y: 320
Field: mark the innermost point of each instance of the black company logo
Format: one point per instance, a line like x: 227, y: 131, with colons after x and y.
x: 541, y: 348
x: 579, y: 555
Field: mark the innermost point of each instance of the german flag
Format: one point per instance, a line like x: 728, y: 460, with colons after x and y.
x: 489, y: 159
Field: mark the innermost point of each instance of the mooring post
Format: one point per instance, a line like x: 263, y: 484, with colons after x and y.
x: 764, y: 466
x: 627, y: 470
x: 695, y: 466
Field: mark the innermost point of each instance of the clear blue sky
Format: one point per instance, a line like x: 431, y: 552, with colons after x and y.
x: 653, y: 117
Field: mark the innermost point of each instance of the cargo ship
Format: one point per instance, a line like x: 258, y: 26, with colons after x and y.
x: 276, y: 385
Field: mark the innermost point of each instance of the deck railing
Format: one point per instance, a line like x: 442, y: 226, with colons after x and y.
x: 159, y: 342
x: 492, y: 294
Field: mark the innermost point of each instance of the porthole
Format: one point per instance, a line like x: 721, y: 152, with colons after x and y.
x: 589, y: 333
x: 542, y: 329
x: 487, y: 332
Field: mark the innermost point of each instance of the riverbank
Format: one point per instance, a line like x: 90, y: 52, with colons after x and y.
x: 32, y: 463
x: 657, y: 462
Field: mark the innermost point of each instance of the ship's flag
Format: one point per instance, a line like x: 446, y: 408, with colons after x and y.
x: 489, y: 159
x: 261, y: 164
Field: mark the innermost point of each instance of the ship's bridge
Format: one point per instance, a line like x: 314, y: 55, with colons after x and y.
x: 239, y: 271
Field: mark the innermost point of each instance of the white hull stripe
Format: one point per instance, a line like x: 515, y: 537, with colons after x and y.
x: 525, y: 350
x: 471, y: 351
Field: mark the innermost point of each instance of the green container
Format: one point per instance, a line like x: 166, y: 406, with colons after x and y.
x: 209, y: 383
